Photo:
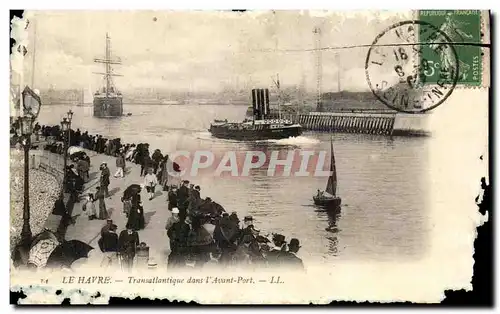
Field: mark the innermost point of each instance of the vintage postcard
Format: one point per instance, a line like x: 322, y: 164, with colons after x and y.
x: 250, y: 157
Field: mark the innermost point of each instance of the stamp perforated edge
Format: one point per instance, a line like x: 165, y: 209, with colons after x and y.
x: 485, y: 51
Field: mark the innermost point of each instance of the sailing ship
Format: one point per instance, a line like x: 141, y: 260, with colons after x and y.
x: 329, y: 198
x: 261, y: 126
x: 108, y: 101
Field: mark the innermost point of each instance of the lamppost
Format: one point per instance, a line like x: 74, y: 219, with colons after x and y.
x: 66, y: 128
x: 31, y: 108
x: 70, y: 117
x: 65, y: 125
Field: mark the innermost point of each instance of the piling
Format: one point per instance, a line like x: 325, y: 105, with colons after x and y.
x: 380, y: 123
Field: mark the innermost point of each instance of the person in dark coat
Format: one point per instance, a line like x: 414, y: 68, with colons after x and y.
x: 146, y: 162
x: 136, y: 218
x: 289, y: 258
x: 107, y: 226
x: 127, y: 244
x: 163, y: 173
x: 71, y: 184
x: 60, y: 209
x: 172, y: 198
x: 200, y: 242
x: 99, y: 196
x: 108, y: 243
x: 156, y: 158
x: 104, y: 181
x: 226, y: 233
x: 87, y: 159
x: 178, y: 234
x: 182, y: 198
x: 82, y: 167
x: 194, y: 200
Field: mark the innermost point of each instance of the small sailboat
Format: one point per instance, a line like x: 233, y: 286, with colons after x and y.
x: 329, y: 198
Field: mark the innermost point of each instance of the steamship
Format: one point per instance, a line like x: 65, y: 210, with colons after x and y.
x: 260, y: 126
x: 108, y: 101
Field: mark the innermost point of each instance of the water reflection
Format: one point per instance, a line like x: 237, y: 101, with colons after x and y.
x: 332, y: 230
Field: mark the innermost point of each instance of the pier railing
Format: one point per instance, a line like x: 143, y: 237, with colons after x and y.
x: 48, y: 162
x: 382, y: 122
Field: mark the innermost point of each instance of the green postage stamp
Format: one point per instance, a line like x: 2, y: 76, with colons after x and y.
x: 464, y: 31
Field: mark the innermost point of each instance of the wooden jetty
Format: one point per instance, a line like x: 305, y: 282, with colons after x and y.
x: 389, y: 123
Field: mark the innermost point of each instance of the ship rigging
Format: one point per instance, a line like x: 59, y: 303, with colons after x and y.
x: 108, y: 101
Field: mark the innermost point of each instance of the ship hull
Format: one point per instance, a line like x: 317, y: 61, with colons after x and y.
x: 108, y: 107
x: 253, y: 134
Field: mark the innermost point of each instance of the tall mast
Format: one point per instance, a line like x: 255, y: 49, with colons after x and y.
x: 108, y: 62
x: 108, y: 68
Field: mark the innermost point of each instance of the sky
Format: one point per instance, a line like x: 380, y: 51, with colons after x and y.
x: 202, y: 50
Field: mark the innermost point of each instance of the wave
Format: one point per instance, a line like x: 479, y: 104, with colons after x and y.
x: 297, y: 141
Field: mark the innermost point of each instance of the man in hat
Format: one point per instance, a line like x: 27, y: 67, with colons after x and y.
x: 109, y: 246
x: 178, y: 234
x: 289, y: 258
x: 279, y: 248
x: 248, y: 229
x: 127, y: 244
x: 172, y: 219
x: 107, y: 226
x: 104, y: 181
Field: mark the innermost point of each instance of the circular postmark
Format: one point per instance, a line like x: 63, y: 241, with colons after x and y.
x: 403, y: 57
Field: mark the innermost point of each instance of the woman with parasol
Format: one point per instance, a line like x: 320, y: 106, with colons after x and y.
x: 136, y: 217
x: 130, y: 197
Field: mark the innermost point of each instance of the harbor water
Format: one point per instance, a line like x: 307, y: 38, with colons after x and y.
x: 382, y: 180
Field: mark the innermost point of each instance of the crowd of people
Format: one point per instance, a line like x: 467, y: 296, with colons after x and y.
x: 78, y: 174
x: 193, y: 243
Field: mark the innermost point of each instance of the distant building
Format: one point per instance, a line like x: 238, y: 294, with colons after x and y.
x: 61, y: 96
x: 345, y: 100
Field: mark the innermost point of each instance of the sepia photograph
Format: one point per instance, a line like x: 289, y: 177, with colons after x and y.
x: 247, y: 157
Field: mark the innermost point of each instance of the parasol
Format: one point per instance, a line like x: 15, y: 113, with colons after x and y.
x: 66, y: 253
x: 75, y: 149
x: 130, y: 190
x: 41, y: 248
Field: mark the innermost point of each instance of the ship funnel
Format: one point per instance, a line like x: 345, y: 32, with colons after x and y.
x: 260, y: 103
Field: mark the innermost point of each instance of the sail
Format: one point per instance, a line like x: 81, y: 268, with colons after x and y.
x: 331, y: 186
